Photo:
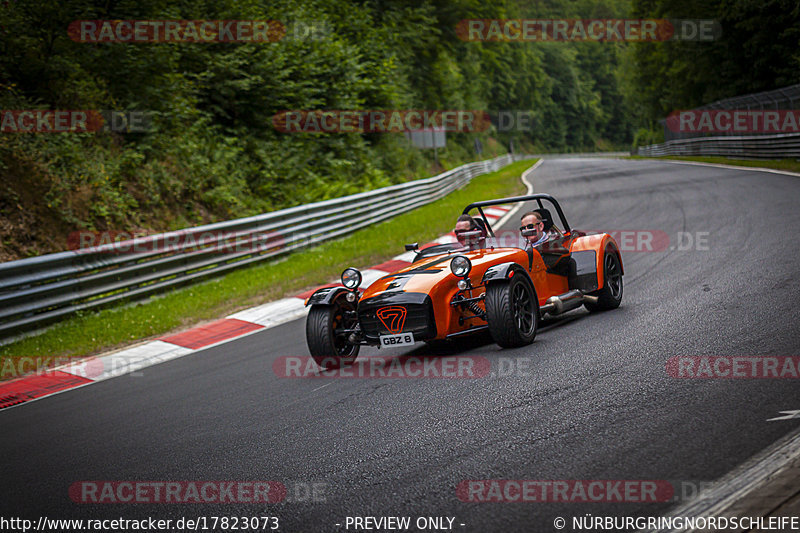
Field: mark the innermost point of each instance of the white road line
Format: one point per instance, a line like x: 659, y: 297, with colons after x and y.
x: 790, y: 415
x: 125, y: 361
x: 370, y: 276
x: 744, y: 489
x: 273, y: 313
x: 405, y: 256
x: 322, y: 387
x: 720, y: 165
x: 494, y: 212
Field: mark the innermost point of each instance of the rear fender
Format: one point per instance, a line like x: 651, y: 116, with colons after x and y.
x: 596, y: 243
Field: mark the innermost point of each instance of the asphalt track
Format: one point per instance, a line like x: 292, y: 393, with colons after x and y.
x: 596, y: 402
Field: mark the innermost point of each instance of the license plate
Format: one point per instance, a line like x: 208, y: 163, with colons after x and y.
x: 401, y: 339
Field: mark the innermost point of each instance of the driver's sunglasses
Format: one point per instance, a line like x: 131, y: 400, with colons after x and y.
x: 529, y: 226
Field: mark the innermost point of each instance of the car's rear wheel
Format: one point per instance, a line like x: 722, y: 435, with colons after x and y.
x: 328, y: 344
x: 512, y: 312
x: 610, y: 296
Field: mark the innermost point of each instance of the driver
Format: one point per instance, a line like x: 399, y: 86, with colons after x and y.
x: 532, y: 228
x: 468, y: 232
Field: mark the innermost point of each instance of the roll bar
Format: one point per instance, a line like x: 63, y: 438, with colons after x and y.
x: 514, y: 199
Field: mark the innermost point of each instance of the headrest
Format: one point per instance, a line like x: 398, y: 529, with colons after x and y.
x: 546, y: 217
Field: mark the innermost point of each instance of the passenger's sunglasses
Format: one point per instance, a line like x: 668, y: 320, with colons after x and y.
x: 529, y: 226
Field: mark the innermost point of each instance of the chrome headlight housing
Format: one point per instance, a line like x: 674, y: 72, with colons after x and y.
x: 460, y: 266
x: 351, y: 278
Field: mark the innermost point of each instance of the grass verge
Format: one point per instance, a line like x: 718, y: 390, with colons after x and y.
x: 791, y: 165
x: 107, y: 329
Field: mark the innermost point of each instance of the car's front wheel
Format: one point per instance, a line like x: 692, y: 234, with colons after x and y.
x: 512, y: 312
x: 326, y: 336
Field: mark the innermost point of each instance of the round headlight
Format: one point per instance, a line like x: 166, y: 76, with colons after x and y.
x: 351, y: 278
x: 460, y: 266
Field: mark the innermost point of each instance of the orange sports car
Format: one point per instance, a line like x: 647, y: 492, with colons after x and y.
x: 501, y: 283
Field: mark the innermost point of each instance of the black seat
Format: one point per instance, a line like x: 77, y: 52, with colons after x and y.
x: 555, y: 252
x: 547, y: 219
x: 481, y: 224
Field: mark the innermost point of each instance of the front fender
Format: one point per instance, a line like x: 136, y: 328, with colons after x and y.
x: 503, y: 272
x: 325, y: 295
x: 497, y: 272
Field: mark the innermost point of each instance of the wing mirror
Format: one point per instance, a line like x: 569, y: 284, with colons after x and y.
x: 412, y: 247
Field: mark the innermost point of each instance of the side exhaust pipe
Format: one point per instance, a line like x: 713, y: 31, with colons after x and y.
x: 568, y: 301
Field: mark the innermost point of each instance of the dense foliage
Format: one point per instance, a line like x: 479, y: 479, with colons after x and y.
x: 213, y: 153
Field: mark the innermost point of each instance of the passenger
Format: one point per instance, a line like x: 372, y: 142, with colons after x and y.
x: 469, y: 232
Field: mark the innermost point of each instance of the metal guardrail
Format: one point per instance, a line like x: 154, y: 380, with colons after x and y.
x: 42, y: 290
x: 741, y: 147
x: 785, y: 98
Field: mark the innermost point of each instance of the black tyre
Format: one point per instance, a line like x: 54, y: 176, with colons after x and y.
x: 512, y: 312
x: 610, y: 296
x: 329, y: 348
